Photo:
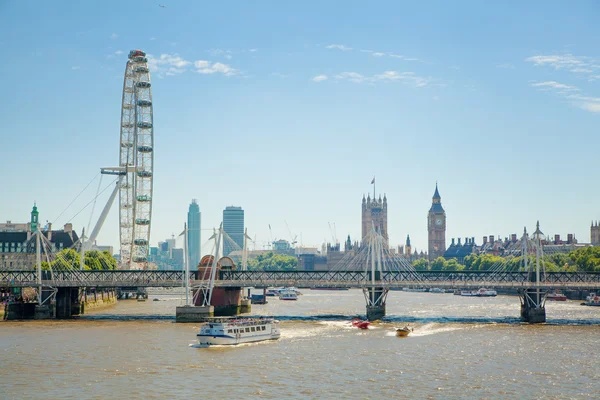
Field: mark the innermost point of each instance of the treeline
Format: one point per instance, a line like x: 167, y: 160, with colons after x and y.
x: 94, y: 261
x: 585, y: 259
x: 273, y: 262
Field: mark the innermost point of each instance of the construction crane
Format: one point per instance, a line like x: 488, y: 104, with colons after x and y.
x: 270, y: 238
x: 333, y: 238
x: 293, y: 238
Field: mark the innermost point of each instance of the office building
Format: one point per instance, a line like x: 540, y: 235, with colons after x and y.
x: 194, y: 240
x: 233, y: 226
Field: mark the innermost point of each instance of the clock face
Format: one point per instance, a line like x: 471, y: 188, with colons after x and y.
x: 438, y: 222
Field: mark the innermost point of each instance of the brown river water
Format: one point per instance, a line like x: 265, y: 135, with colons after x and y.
x: 462, y: 347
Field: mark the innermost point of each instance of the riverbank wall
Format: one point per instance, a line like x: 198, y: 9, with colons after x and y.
x: 98, y: 299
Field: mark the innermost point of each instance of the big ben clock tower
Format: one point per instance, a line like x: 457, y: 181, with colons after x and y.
x: 436, y: 227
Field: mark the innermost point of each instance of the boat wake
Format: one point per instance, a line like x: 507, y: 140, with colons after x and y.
x: 434, y: 328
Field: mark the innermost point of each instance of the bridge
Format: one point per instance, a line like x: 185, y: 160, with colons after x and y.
x: 373, y: 269
x: 304, y: 279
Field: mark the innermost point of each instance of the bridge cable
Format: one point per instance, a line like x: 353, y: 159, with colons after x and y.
x: 76, y: 197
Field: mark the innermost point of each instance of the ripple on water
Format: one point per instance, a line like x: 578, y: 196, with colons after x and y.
x: 458, y: 347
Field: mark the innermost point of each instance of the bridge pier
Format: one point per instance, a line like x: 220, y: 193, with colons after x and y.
x: 533, y: 305
x: 376, y: 298
x: 68, y: 303
x: 225, y: 301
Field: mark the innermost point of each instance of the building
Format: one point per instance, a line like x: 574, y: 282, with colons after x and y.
x: 436, y: 227
x: 233, y: 226
x: 100, y: 247
x: 166, y: 256
x: 282, y: 246
x: 18, y: 244
x: 510, y: 245
x: 595, y: 234
x: 194, y: 239
x: 374, y: 213
x: 459, y: 250
x: 312, y: 262
x: 177, y: 257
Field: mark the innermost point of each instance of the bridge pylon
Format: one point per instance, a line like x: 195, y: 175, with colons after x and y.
x: 375, y: 295
x: 533, y: 299
x: 376, y: 298
x: 533, y: 305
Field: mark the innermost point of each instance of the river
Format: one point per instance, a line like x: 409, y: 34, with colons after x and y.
x: 461, y: 347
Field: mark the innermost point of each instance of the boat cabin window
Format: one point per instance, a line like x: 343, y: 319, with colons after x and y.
x: 247, y: 329
x: 252, y: 329
x: 262, y: 327
x: 229, y: 331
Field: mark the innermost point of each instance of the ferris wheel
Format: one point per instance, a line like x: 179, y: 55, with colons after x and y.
x: 136, y: 158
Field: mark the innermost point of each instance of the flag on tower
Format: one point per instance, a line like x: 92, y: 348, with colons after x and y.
x: 373, y: 181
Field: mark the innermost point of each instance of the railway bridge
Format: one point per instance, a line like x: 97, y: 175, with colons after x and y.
x: 64, y: 285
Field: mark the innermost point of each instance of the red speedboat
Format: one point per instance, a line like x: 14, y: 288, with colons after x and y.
x: 359, y: 323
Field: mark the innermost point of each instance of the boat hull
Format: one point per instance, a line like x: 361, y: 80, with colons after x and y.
x: 207, y: 341
x: 361, y: 324
x: 402, y: 333
x: 556, y: 298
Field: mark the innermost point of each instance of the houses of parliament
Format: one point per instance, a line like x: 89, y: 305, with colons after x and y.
x: 374, y: 212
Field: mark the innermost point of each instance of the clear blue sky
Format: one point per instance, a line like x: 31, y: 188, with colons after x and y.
x: 289, y: 110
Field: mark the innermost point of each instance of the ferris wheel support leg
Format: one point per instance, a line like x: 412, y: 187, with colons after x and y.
x: 103, y: 215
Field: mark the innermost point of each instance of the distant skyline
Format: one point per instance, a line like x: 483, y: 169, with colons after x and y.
x: 289, y: 109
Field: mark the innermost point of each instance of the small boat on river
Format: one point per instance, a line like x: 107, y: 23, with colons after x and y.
x: 288, y: 295
x: 479, y: 293
x: 404, y: 331
x: 233, y: 331
x: 592, y: 300
x: 360, y: 324
x: 258, y: 299
x: 556, y: 296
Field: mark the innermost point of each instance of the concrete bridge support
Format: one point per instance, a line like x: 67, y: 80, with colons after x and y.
x: 68, y: 304
x: 533, y: 305
x: 226, y: 301
x: 376, y: 298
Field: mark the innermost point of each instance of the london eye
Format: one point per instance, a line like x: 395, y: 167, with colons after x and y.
x: 136, y: 158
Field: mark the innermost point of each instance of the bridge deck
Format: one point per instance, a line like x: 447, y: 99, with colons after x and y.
x: 392, y: 279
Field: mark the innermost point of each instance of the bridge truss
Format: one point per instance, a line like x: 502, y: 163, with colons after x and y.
x: 333, y: 279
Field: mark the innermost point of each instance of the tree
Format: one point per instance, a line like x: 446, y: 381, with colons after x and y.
x: 586, y: 259
x: 421, y: 264
x: 273, y: 262
x: 453, y: 265
x: 94, y: 260
x: 97, y: 260
x: 438, y: 264
x: 65, y: 260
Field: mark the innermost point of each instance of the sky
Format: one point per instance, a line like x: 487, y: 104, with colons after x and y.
x: 289, y: 109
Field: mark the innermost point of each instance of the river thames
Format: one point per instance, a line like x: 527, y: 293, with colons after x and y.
x: 461, y: 347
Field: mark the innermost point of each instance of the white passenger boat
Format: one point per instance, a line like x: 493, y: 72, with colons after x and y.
x: 592, y: 300
x: 479, y: 293
x: 232, y: 331
x: 288, y: 295
x: 486, y: 293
